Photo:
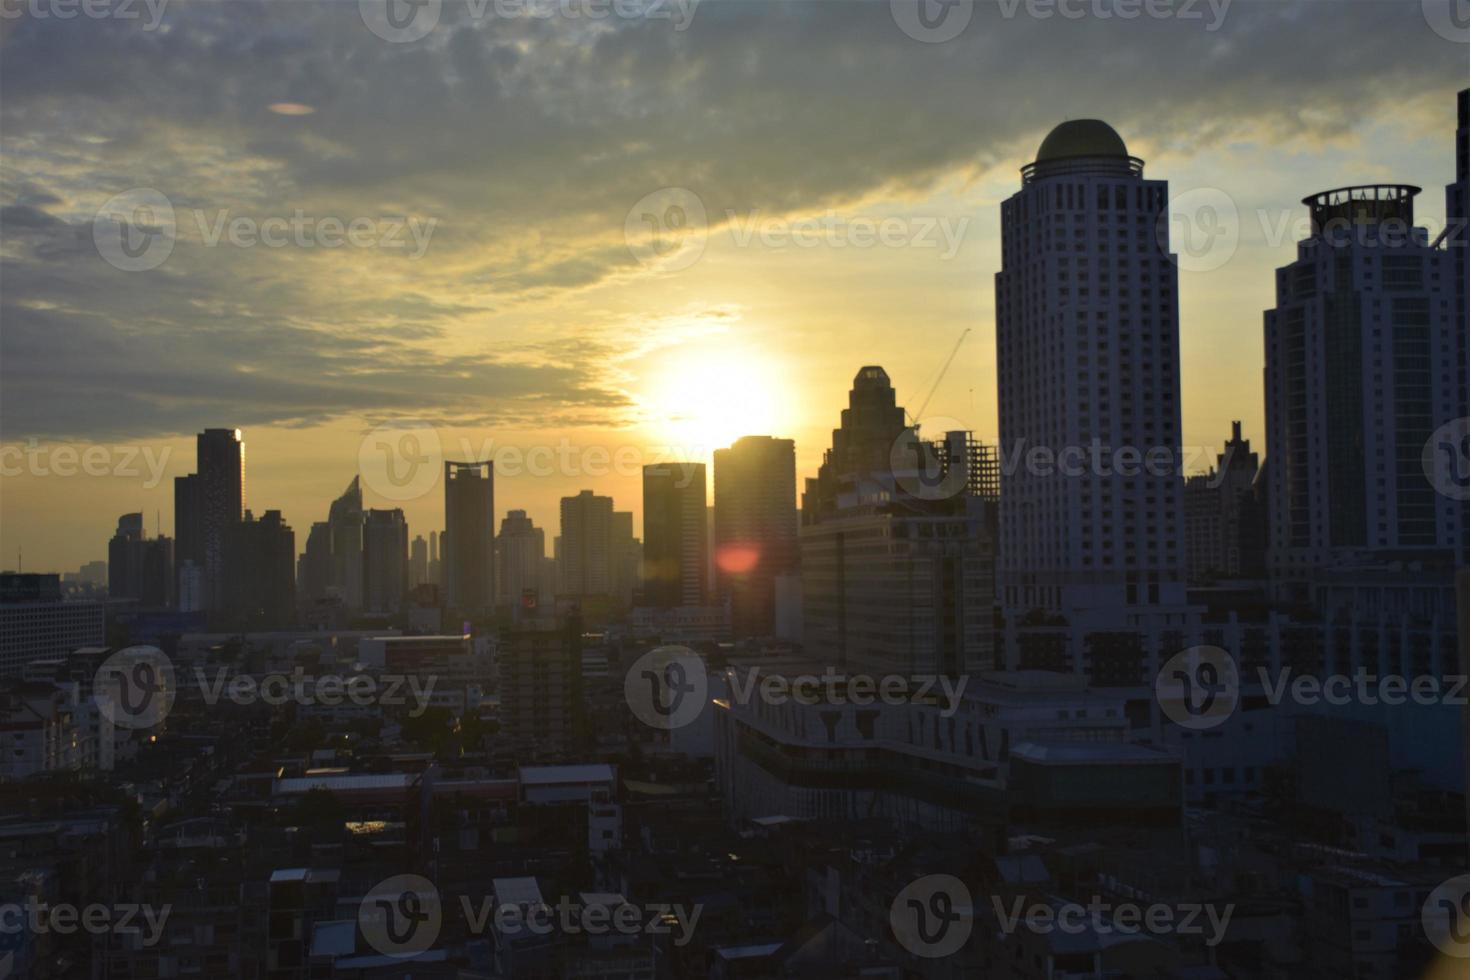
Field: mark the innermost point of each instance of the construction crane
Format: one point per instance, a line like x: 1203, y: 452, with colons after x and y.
x: 943, y: 369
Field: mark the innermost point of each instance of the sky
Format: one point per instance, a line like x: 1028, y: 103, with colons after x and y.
x: 582, y: 235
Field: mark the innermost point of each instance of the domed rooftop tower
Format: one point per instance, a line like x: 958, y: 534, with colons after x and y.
x: 1082, y: 147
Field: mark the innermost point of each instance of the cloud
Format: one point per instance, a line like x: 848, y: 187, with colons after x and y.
x: 526, y: 141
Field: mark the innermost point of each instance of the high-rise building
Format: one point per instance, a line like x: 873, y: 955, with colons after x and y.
x: 140, y: 567
x: 188, y: 539
x: 468, y: 543
x: 625, y: 558
x: 384, y: 561
x: 418, y: 562
x: 37, y: 623
x: 1363, y: 360
x: 436, y: 569
x: 521, y: 549
x: 261, y: 576
x: 755, y: 528
x: 897, y: 572
x: 125, y: 558
x: 1457, y: 221
x: 540, y: 664
x: 871, y: 424
x: 345, y: 521
x: 314, y: 570
x: 675, y: 535
x: 585, y: 564
x: 221, y: 501
x: 1087, y: 358
x: 1225, y: 523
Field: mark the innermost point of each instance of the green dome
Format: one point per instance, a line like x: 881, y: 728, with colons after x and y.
x: 1081, y: 138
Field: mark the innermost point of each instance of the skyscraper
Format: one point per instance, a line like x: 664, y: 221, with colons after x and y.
x: 314, y: 570
x: 624, y: 557
x: 585, y: 561
x: 1457, y: 219
x: 896, y: 577
x: 384, y: 561
x: 260, y: 581
x: 1361, y: 368
x: 221, y: 501
x: 418, y: 562
x: 675, y: 535
x: 436, y: 570
x: 521, y: 548
x: 345, y: 521
x: 188, y: 541
x: 863, y: 443
x: 125, y: 558
x: 468, y: 544
x: 755, y: 528
x: 1087, y: 358
x: 1225, y: 525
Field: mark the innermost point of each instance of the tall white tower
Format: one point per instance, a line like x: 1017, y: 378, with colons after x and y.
x: 1087, y: 355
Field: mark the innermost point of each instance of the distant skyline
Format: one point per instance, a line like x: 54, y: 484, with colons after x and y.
x: 528, y: 319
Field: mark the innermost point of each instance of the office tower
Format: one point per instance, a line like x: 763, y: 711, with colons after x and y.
x: 1361, y: 368
x: 384, y: 561
x: 1087, y: 358
x: 521, y: 548
x: 418, y: 562
x: 125, y: 558
x: 1225, y: 523
x: 37, y: 623
x: 345, y: 528
x: 584, y: 560
x: 863, y: 443
x: 221, y: 500
x: 188, y: 540
x: 1457, y: 220
x: 675, y: 535
x: 623, y: 554
x: 261, y: 577
x: 140, y: 567
x: 314, y: 571
x: 895, y: 578
x: 436, y: 574
x: 469, y: 537
x: 755, y: 528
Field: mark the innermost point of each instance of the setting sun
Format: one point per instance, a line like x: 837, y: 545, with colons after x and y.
x: 704, y: 400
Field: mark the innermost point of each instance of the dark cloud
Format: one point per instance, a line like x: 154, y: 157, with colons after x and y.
x: 526, y: 141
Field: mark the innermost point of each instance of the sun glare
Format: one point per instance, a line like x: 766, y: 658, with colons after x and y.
x: 704, y: 401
